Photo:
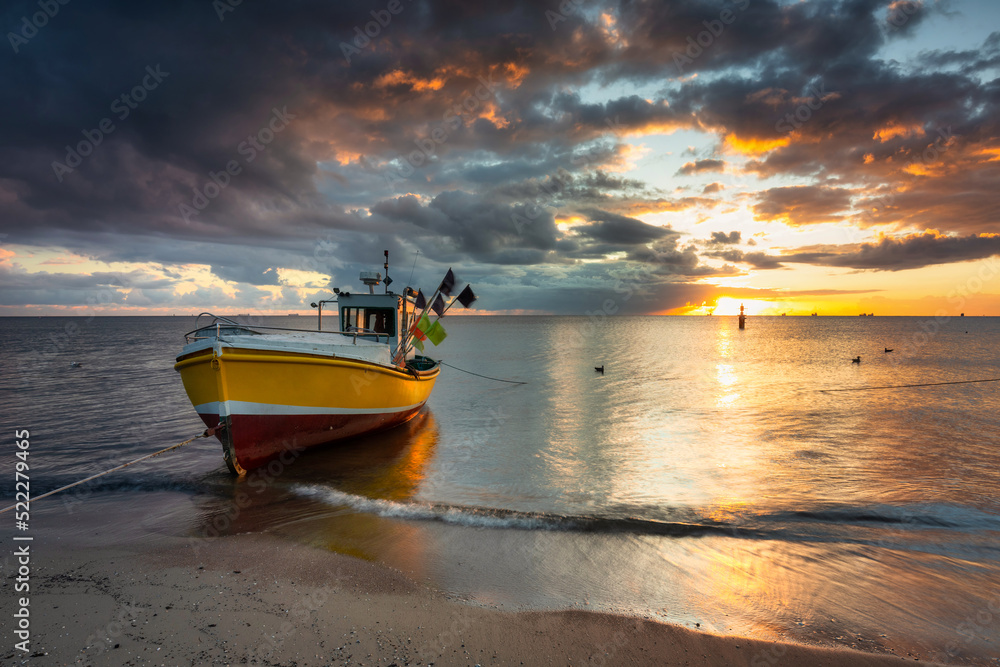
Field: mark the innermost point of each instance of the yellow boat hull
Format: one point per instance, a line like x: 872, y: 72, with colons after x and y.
x: 272, y: 402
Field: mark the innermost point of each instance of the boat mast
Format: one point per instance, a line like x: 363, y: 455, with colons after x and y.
x: 388, y: 280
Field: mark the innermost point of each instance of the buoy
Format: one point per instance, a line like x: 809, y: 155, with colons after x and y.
x: 743, y: 318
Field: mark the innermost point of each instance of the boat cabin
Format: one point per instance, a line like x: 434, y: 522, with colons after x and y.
x: 389, y: 314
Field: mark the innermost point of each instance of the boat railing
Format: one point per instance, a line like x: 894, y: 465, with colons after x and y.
x: 215, y: 318
x: 222, y: 324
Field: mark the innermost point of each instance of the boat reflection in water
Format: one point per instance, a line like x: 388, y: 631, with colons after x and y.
x: 387, y: 466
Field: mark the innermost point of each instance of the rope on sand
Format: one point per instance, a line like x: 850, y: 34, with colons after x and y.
x: 206, y: 434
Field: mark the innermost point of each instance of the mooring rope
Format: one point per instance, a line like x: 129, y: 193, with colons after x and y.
x: 906, y: 386
x: 206, y: 434
x: 482, y: 376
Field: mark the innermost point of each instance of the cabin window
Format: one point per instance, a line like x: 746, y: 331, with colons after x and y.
x: 379, y: 320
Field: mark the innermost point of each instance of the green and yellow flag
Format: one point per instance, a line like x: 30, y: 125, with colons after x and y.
x: 420, y: 327
x: 436, y: 333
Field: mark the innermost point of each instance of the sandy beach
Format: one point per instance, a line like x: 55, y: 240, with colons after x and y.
x: 253, y: 599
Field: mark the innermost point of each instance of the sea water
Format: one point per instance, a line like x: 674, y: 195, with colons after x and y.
x: 752, y: 482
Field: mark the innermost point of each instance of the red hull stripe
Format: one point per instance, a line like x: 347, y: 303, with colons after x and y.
x: 258, y: 439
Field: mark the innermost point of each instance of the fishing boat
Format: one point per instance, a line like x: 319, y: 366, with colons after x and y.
x: 271, y: 392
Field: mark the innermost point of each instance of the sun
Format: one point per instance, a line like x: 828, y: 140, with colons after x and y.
x: 728, y: 306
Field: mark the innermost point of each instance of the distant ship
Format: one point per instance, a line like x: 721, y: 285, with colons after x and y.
x: 293, y: 314
x: 814, y: 314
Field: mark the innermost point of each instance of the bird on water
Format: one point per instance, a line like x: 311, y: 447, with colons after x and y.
x: 856, y: 360
x: 888, y: 349
x: 599, y: 369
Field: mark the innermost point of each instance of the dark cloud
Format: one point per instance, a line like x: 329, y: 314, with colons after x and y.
x: 757, y: 260
x: 18, y: 287
x: 803, y: 204
x: 701, y: 166
x: 246, y: 274
x: 908, y: 252
x: 485, y: 231
x: 724, y: 238
x: 810, y: 35
x: 902, y: 17
x: 619, y: 229
x: 670, y: 258
x: 760, y: 260
x: 968, y: 62
x: 888, y: 254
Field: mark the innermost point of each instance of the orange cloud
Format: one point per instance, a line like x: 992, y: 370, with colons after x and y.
x: 492, y: 114
x: 755, y: 146
x: 895, y: 129
x: 399, y: 77
x: 515, y: 73
x: 609, y: 26
x: 921, y: 169
x: 345, y: 157
x: 992, y: 154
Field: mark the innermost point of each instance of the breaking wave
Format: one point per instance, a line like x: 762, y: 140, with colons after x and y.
x: 487, y: 517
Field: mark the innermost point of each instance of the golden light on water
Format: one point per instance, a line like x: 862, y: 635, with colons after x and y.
x: 728, y: 392
x: 400, y: 480
x: 729, y: 306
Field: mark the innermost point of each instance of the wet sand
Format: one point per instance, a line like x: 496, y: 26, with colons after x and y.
x: 258, y: 600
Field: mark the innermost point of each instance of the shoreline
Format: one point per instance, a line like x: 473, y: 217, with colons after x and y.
x: 261, y: 600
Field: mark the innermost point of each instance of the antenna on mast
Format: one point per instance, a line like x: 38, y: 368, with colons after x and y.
x: 388, y: 280
x: 416, y: 253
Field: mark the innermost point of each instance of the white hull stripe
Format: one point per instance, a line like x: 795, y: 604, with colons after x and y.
x: 249, y: 408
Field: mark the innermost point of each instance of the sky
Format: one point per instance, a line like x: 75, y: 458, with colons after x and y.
x: 573, y: 157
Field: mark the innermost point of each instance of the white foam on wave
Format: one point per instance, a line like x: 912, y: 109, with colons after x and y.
x: 417, y: 511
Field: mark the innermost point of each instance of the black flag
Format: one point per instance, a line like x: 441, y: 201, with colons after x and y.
x: 438, y: 306
x: 421, y: 301
x: 447, y: 284
x: 467, y: 296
